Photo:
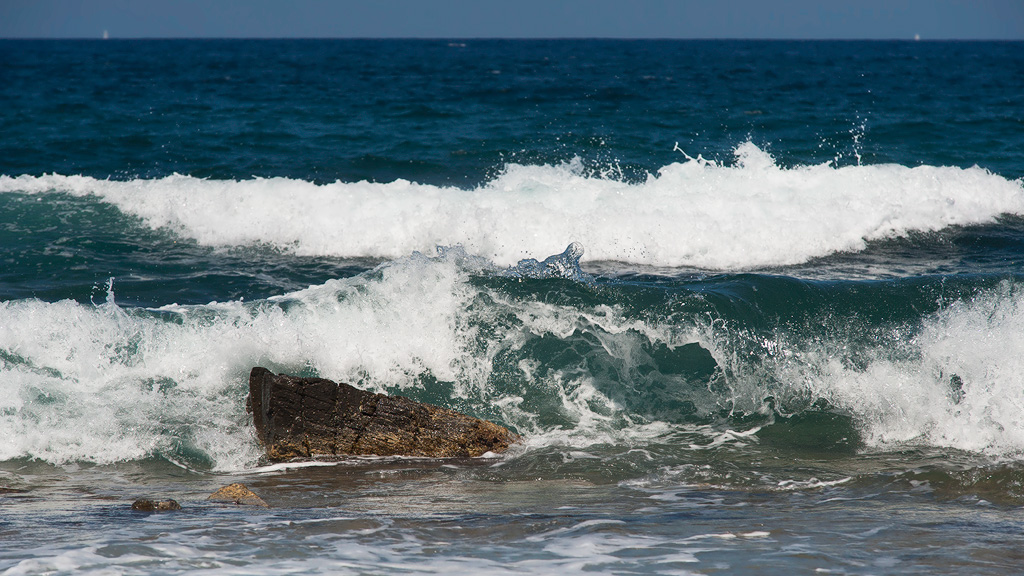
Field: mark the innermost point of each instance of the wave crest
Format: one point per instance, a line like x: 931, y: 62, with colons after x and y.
x: 694, y: 213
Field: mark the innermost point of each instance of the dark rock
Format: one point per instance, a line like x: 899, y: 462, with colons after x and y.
x: 237, y: 494
x: 143, y: 505
x: 311, y: 417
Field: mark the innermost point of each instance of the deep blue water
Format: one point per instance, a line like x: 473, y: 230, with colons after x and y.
x: 794, y: 340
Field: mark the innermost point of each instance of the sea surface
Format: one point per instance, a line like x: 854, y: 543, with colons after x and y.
x: 754, y: 307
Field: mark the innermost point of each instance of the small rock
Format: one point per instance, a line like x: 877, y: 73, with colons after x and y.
x: 143, y: 505
x: 238, y: 494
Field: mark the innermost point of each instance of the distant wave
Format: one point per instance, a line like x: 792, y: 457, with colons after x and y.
x: 693, y: 213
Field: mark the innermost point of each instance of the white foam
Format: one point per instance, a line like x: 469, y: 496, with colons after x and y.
x: 99, y: 384
x: 692, y: 213
x: 911, y: 398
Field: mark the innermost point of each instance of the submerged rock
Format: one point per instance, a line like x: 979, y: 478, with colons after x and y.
x: 314, y: 417
x: 143, y: 505
x: 237, y: 494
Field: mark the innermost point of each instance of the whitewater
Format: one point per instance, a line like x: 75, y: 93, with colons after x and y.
x: 697, y: 213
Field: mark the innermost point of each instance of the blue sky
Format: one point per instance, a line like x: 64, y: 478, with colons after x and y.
x: 795, y: 19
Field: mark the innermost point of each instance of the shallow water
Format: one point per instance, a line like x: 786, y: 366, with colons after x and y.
x: 366, y: 516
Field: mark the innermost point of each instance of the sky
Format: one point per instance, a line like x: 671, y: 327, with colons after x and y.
x: 771, y: 19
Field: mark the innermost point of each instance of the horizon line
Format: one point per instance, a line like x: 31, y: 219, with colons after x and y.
x: 517, y: 38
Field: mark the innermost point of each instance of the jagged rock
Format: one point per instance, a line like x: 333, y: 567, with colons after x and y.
x: 143, y: 505
x: 237, y: 494
x: 310, y: 417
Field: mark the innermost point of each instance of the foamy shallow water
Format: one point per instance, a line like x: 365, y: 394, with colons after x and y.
x: 428, y: 517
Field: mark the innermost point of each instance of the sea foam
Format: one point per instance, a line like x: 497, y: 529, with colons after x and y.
x: 959, y: 383
x: 694, y: 213
x: 103, y: 383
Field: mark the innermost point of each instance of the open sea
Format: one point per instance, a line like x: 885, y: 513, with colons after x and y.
x: 755, y: 307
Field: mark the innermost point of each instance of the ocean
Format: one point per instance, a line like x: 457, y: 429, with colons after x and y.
x: 755, y: 307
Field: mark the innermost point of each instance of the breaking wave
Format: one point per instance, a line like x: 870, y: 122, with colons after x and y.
x: 695, y: 213
x: 562, y: 361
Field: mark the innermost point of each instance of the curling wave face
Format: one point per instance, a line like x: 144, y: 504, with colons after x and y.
x: 563, y: 361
